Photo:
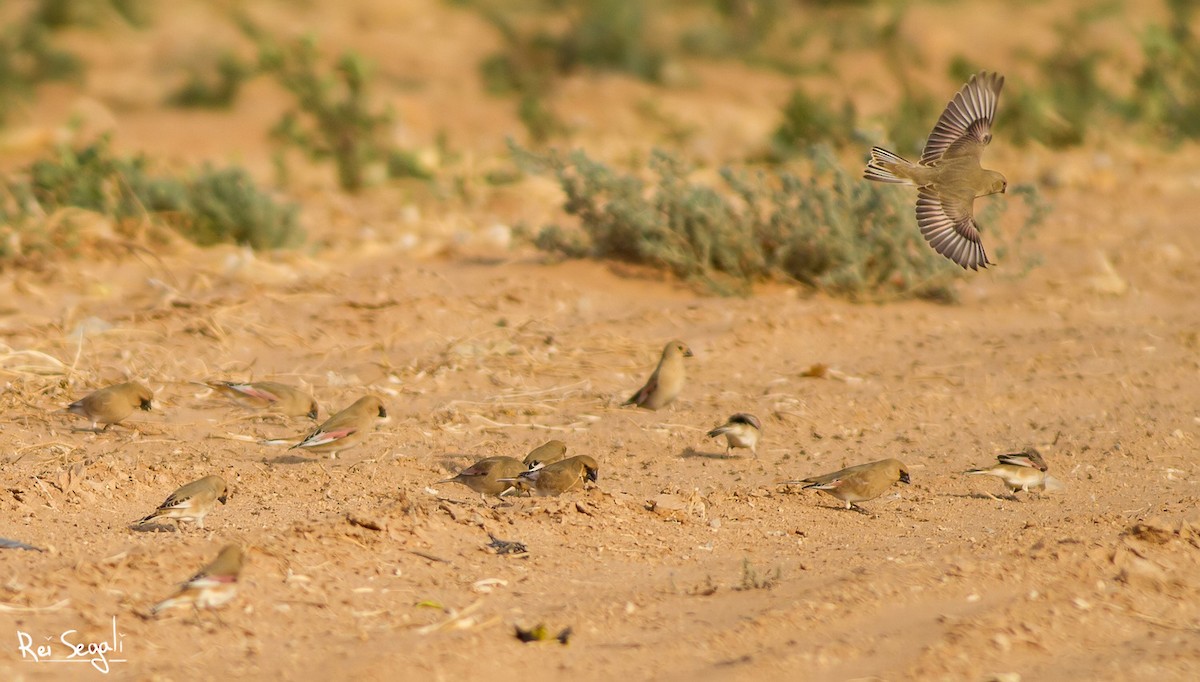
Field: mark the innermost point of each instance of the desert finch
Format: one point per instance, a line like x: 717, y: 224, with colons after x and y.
x: 346, y: 428
x: 268, y: 395
x: 193, y: 501
x: 666, y: 382
x: 948, y: 176
x: 215, y: 585
x: 859, y: 483
x: 561, y: 476
x: 490, y: 476
x: 112, y: 404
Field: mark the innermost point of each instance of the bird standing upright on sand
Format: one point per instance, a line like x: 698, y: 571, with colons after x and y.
x: 346, y: 428
x: 112, y: 404
x: 193, y: 501
x: 561, y: 476
x: 859, y: 483
x: 948, y: 176
x: 490, y: 476
x: 268, y: 395
x: 1025, y: 470
x: 547, y: 453
x: 742, y: 430
x: 665, y: 384
x: 215, y: 585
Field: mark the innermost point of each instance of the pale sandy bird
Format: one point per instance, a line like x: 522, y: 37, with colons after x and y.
x: 948, y: 176
x: 561, y: 476
x: 665, y: 384
x: 859, y: 483
x: 214, y: 586
x: 1020, y: 471
x: 742, y: 430
x: 346, y: 428
x: 112, y: 404
x: 546, y: 453
x: 268, y: 395
x: 490, y: 476
x: 193, y: 501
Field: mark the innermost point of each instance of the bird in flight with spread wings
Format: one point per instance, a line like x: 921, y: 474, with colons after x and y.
x: 948, y: 177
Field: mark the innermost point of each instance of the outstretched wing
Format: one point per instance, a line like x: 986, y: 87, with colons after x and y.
x: 965, y: 127
x: 948, y: 224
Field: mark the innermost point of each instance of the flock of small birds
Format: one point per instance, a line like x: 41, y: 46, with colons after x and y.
x: 948, y: 177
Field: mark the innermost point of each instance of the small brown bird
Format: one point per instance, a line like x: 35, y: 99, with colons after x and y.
x: 742, y: 430
x: 490, y: 476
x: 665, y: 384
x: 1025, y: 470
x: 346, y: 428
x: 546, y: 453
x: 268, y: 395
x: 214, y: 586
x: 561, y: 476
x: 948, y: 176
x: 193, y: 501
x: 859, y: 483
x: 112, y: 404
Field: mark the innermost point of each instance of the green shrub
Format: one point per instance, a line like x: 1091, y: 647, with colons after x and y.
x: 831, y: 231
x: 331, y: 117
x: 217, y: 90
x: 211, y: 206
x: 808, y: 121
x: 27, y: 59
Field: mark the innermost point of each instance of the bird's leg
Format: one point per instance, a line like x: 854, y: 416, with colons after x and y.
x: 858, y: 509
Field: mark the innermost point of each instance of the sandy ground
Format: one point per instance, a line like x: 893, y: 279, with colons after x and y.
x: 681, y: 563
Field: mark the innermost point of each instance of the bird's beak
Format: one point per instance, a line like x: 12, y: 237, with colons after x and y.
x: 382, y: 413
x: 904, y: 477
x: 312, y: 414
x: 145, y: 405
x: 688, y: 353
x: 592, y: 475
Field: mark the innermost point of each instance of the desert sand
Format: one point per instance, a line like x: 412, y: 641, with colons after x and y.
x: 680, y: 562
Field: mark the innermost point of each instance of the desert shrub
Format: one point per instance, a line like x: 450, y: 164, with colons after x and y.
x: 214, y: 85
x: 1167, y: 90
x: 26, y: 59
x: 57, y: 14
x: 207, y: 207
x: 331, y: 117
x: 606, y: 35
x: 807, y: 121
x: 831, y: 231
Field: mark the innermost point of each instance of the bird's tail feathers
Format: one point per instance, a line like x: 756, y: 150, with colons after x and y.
x: 148, y: 518
x: 719, y: 431
x: 882, y: 167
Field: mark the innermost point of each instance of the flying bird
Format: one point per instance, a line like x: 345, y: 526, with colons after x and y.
x: 214, y: 586
x: 665, y: 384
x: 346, y: 428
x: 859, y: 483
x: 1020, y: 471
x: 192, y: 502
x: 742, y: 430
x: 112, y: 404
x: 490, y: 476
x: 268, y: 395
x: 949, y: 177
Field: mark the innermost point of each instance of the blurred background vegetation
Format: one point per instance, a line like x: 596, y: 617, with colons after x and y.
x: 788, y: 206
